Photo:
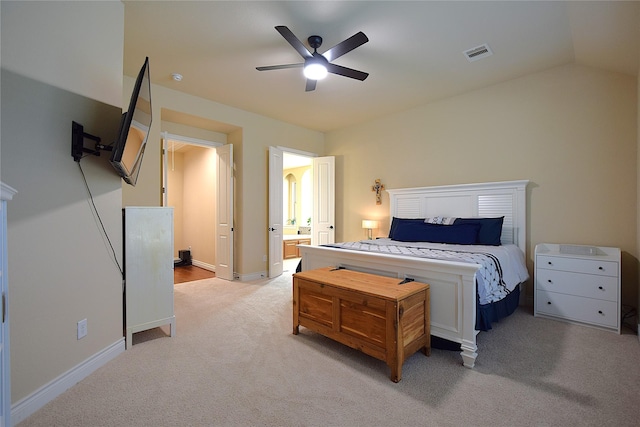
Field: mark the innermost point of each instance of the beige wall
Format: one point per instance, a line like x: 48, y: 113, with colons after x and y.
x: 175, y: 178
x: 61, y: 267
x: 191, y: 131
x: 251, y: 136
x: 570, y: 130
x: 191, y: 184
x: 52, y: 42
x: 573, y: 131
x: 200, y: 204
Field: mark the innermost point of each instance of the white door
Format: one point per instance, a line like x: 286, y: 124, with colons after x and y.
x: 4, y: 328
x: 224, y: 212
x: 323, y: 219
x: 276, y: 213
x: 165, y: 171
x: 6, y: 194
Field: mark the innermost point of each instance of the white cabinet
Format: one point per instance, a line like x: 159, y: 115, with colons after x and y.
x: 578, y: 284
x: 148, y: 254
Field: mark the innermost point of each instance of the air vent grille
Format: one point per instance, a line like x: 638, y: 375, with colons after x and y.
x: 479, y: 52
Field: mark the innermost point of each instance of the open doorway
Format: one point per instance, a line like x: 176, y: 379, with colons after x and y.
x: 190, y: 189
x: 297, y: 192
x: 282, y: 210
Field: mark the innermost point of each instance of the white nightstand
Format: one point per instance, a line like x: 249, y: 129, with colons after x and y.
x: 579, y: 284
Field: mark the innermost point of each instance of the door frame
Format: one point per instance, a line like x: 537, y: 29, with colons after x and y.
x: 168, y: 137
x: 274, y: 231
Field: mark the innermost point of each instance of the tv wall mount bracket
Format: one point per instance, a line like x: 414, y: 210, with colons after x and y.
x: 78, y: 136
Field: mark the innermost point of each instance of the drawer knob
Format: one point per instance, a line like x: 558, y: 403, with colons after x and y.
x: 549, y: 280
x: 549, y: 262
x: 600, y: 268
x: 599, y: 311
x: 549, y: 302
x: 601, y: 288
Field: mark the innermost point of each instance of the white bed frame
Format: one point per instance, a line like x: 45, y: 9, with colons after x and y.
x: 452, y: 284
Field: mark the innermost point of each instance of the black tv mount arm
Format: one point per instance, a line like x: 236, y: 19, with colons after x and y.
x: 78, y: 136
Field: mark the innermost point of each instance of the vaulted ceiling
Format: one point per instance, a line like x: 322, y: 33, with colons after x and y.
x: 414, y: 55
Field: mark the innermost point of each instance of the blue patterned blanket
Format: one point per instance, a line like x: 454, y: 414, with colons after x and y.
x: 490, y: 276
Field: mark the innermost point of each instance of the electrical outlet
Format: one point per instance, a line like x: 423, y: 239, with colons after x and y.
x: 82, y: 328
x: 264, y: 258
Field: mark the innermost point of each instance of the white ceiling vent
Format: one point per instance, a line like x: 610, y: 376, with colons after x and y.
x: 479, y: 52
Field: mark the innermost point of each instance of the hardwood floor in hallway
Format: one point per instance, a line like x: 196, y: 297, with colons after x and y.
x: 189, y: 273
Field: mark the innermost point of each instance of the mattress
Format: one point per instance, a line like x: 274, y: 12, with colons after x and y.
x: 501, y: 268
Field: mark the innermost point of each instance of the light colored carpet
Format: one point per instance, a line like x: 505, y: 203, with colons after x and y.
x: 235, y: 362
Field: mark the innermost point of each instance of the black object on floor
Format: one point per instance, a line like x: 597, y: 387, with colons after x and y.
x: 185, y: 258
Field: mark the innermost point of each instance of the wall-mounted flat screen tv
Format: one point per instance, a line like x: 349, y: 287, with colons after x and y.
x: 128, y: 149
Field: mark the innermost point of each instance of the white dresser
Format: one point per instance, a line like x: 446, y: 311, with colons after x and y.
x: 578, y: 284
x: 148, y: 255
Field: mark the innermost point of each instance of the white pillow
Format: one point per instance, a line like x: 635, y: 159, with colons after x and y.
x: 442, y: 220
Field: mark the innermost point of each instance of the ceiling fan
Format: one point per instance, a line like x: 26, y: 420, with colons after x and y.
x: 316, y: 65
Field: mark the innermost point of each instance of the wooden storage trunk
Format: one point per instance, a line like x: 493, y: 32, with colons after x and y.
x: 377, y: 315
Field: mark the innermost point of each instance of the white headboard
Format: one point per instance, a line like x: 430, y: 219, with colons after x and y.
x: 492, y: 199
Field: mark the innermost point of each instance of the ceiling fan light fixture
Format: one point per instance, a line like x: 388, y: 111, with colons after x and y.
x: 315, y: 71
x: 317, y: 66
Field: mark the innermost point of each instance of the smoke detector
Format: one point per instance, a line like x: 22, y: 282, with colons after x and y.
x: 478, y: 52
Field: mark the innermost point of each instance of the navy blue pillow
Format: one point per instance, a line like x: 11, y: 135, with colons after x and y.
x: 462, y: 234
x: 490, y: 229
x: 397, y: 222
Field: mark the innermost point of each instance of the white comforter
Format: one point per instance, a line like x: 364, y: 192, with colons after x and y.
x: 502, y: 268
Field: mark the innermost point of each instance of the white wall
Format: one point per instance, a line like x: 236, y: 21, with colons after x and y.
x: 58, y: 58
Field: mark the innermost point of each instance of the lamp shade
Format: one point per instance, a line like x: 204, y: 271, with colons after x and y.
x: 369, y: 224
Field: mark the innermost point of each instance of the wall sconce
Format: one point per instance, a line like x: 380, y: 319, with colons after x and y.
x: 369, y: 225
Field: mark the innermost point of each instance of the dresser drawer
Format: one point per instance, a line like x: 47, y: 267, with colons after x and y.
x: 587, y: 266
x: 580, y: 309
x: 586, y: 285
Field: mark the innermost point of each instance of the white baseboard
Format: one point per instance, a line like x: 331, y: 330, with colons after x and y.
x: 30, y: 404
x: 243, y: 278
x: 251, y: 276
x: 204, y: 265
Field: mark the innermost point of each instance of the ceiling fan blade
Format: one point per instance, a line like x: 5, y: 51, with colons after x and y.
x: 347, y: 72
x: 346, y: 46
x: 279, y: 67
x: 311, y: 85
x: 293, y: 41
